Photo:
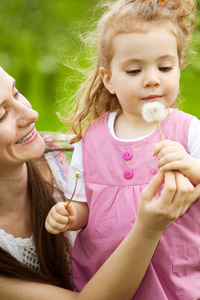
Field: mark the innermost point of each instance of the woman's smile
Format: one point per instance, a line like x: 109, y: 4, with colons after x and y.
x: 27, y: 137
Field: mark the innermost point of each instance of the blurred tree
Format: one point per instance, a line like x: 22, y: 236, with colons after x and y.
x: 190, y: 78
x: 32, y: 34
x: 36, y: 35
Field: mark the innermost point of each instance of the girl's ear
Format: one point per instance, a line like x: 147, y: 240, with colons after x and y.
x: 106, y: 80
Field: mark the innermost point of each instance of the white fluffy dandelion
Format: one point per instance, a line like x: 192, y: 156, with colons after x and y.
x: 154, y: 112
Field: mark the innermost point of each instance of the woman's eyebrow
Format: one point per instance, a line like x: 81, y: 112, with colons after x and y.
x: 13, y: 86
x: 2, y: 103
x: 14, y: 81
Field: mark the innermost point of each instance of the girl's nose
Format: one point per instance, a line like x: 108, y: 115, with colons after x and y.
x: 151, y: 80
x: 26, y: 116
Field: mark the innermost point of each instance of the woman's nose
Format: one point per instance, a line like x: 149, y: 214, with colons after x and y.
x: 26, y: 116
x: 151, y: 79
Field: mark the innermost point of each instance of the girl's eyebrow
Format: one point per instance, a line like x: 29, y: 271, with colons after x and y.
x: 136, y: 60
x: 167, y: 56
x: 132, y: 60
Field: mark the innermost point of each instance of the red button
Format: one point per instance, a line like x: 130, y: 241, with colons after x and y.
x: 128, y: 174
x: 127, y: 155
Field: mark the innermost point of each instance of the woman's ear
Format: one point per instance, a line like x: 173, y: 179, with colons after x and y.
x: 180, y: 64
x: 106, y: 80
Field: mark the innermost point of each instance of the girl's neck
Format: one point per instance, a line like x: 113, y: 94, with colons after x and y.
x: 129, y: 128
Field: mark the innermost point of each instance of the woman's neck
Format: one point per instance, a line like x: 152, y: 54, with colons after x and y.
x: 14, y: 204
x: 13, y: 187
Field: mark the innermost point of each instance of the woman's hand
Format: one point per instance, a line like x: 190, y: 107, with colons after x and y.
x: 158, y: 212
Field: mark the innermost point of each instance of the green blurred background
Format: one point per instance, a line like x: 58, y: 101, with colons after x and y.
x: 37, y: 38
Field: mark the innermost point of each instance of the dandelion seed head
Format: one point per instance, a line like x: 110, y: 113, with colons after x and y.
x: 78, y: 174
x: 153, y: 112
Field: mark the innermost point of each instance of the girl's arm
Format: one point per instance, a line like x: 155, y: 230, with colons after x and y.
x: 82, y: 212
x: 121, y: 275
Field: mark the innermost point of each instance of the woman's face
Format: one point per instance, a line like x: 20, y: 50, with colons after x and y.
x: 19, y: 140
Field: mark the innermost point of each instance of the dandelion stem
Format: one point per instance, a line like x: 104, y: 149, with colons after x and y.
x: 77, y: 176
x: 160, y: 132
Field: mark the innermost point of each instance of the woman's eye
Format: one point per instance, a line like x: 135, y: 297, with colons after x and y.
x: 3, y: 116
x: 16, y: 94
x: 133, y: 72
x: 165, y: 69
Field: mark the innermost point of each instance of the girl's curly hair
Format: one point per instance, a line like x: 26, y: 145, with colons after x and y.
x: 124, y: 16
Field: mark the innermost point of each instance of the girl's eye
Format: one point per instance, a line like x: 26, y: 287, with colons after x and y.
x: 165, y: 69
x: 3, y: 116
x: 133, y: 72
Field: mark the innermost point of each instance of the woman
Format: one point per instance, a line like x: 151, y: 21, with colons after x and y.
x: 35, y: 264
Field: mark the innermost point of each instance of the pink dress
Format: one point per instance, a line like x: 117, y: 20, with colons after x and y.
x: 115, y: 173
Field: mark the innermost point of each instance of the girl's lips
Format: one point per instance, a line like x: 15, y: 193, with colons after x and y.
x: 27, y: 138
x: 152, y: 98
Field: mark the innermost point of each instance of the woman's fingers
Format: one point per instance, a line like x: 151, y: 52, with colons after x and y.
x: 184, y: 194
x: 158, y: 212
x: 154, y: 185
x: 196, y: 193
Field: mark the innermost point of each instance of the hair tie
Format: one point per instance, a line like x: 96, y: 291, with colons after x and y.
x: 158, y: 1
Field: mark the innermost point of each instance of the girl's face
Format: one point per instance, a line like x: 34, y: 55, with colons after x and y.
x: 145, y: 67
x: 19, y: 140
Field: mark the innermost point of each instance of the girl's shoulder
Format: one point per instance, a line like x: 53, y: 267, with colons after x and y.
x: 98, y: 124
x: 182, y: 114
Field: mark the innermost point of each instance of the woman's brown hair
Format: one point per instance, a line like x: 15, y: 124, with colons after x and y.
x: 53, y: 251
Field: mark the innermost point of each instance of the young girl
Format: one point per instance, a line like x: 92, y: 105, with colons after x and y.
x: 141, y: 49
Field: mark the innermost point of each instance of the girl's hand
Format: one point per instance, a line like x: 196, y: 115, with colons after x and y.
x: 156, y: 212
x: 60, y: 218
x: 173, y: 156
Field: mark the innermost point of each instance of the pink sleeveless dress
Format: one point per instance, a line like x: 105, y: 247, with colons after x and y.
x: 115, y: 173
